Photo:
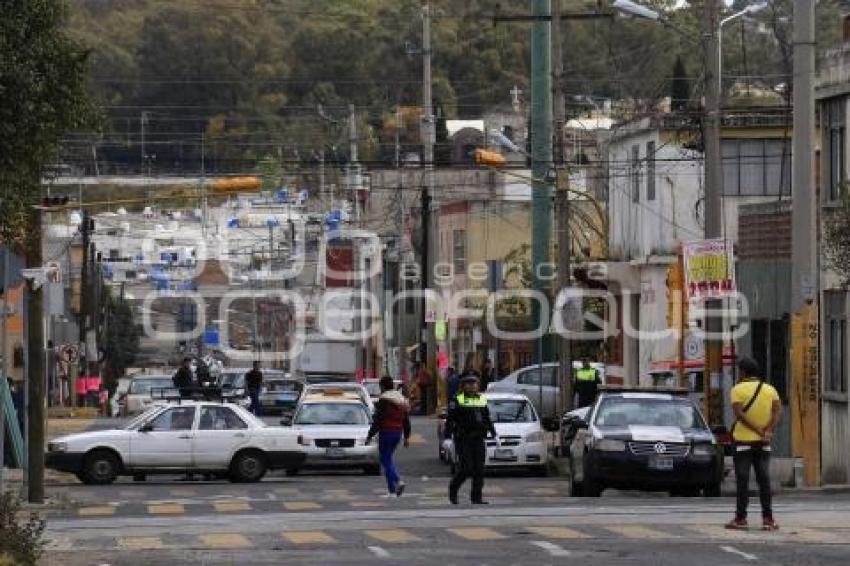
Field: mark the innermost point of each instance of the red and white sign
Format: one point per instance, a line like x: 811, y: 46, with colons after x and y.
x: 709, y: 269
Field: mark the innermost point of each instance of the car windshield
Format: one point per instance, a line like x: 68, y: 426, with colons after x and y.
x: 510, y: 411
x: 232, y: 379
x: 143, y: 386
x: 332, y: 414
x: 142, y: 417
x: 631, y: 411
x: 283, y: 387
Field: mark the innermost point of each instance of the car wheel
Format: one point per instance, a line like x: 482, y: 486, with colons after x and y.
x: 712, y: 490
x: 248, y: 467
x: 372, y: 470
x: 101, y: 467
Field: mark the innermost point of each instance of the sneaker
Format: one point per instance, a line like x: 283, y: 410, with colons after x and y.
x: 399, y: 490
x: 768, y: 524
x: 737, y: 524
x: 388, y: 494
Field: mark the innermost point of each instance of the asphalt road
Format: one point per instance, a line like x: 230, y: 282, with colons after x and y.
x: 341, y: 518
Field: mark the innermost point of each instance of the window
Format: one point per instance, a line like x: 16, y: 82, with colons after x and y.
x: 510, y: 411
x: 756, y: 167
x: 532, y: 377
x: 634, y: 173
x: 836, y: 342
x: 459, y: 251
x: 220, y: 418
x: 622, y: 412
x: 178, y: 418
x: 650, y: 170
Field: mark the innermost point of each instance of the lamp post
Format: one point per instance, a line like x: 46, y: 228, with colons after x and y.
x: 751, y: 9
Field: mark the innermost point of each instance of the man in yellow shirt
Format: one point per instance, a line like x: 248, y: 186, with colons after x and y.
x: 757, y: 408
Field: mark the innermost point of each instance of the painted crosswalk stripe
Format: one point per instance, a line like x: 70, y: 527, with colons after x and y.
x: 477, y: 533
x: 366, y: 504
x: 231, y: 506
x: 395, y: 536
x: 301, y: 505
x: 544, y: 491
x: 140, y: 543
x: 96, y: 511
x: 720, y: 532
x: 379, y: 552
x: 224, y: 540
x: 638, y: 532
x: 183, y: 492
x: 308, y: 537
x: 557, y: 533
x: 735, y: 551
x: 551, y: 548
x: 166, y: 509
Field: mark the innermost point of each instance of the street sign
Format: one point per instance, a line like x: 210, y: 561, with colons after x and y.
x: 70, y: 353
x: 709, y: 269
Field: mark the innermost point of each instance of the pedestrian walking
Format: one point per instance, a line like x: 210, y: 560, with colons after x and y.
x: 586, y: 384
x: 468, y: 422
x: 423, y: 384
x: 254, y: 384
x: 391, y: 422
x: 182, y: 378
x: 757, y: 410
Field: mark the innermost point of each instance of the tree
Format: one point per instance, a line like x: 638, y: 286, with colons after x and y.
x: 119, y: 338
x: 680, y: 90
x: 837, y: 239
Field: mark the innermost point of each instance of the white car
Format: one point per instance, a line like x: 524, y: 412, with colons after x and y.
x: 190, y: 436
x: 349, y: 387
x: 331, y: 427
x: 521, y: 442
x: 139, y: 395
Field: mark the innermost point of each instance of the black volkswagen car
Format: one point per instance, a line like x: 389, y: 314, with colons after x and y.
x: 644, y: 440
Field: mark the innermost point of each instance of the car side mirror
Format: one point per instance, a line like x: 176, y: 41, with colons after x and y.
x: 286, y: 420
x: 551, y: 424
x: 147, y: 427
x: 580, y: 423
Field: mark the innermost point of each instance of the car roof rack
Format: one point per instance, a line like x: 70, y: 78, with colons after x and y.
x: 195, y: 393
x: 643, y: 389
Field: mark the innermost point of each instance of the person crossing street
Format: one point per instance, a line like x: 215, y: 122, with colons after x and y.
x: 468, y: 422
x: 391, y: 423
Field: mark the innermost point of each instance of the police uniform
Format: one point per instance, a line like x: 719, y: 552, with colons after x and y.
x: 468, y: 421
x: 587, y: 381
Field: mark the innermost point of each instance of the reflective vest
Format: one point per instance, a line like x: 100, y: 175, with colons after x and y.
x: 476, y: 401
x: 586, y: 374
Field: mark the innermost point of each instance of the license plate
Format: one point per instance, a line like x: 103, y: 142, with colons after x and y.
x: 503, y: 454
x: 658, y: 463
x: 335, y: 453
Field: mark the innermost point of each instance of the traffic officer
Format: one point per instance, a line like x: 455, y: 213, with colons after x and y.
x: 586, y: 384
x: 468, y: 421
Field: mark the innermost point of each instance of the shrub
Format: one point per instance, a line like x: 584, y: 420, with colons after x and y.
x: 20, y: 537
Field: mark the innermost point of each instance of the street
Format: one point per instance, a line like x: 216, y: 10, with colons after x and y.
x: 341, y: 518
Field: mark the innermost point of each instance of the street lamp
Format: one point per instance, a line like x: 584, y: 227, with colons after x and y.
x: 751, y: 9
x: 634, y: 9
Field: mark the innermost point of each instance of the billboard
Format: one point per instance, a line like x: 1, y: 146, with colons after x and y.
x: 709, y: 269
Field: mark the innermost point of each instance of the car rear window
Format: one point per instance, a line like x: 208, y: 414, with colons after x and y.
x: 620, y: 412
x: 283, y: 386
x: 143, y: 386
x: 332, y: 414
x: 510, y: 411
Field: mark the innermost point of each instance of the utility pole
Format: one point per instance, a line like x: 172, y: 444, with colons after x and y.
x: 35, y: 368
x: 353, y: 166
x: 805, y: 385
x: 84, y: 307
x: 562, y: 203
x: 713, y: 204
x: 541, y: 151
x: 427, y: 133
x: 144, y: 122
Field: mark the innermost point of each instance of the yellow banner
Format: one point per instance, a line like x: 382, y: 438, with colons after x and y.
x: 805, y: 393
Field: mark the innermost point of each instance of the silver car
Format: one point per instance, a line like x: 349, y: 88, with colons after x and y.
x: 139, y: 397
x: 539, y: 383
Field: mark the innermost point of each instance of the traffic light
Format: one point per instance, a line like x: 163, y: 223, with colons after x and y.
x: 52, y: 202
x: 489, y: 158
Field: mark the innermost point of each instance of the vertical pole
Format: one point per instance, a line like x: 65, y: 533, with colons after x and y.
x: 4, y: 308
x: 428, y: 189
x: 353, y: 167
x: 35, y: 370
x: 713, y: 205
x: 541, y: 150
x: 805, y: 389
x: 84, y: 306
x: 144, y: 121
x: 681, y: 299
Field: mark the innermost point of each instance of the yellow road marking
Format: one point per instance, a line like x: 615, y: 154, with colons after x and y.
x: 231, y: 506
x: 224, y: 540
x: 477, y: 533
x: 365, y: 503
x: 417, y: 440
x: 140, y: 543
x: 718, y: 531
x: 395, y: 536
x: 638, y: 531
x: 166, y: 509
x: 493, y: 489
x: 557, y: 532
x: 98, y: 510
x: 308, y: 537
x: 301, y: 505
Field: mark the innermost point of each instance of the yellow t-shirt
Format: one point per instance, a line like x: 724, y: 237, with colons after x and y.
x: 758, y: 413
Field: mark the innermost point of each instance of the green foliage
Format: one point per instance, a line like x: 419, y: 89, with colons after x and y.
x: 42, y: 96
x: 21, y: 539
x: 119, y: 337
x: 837, y: 238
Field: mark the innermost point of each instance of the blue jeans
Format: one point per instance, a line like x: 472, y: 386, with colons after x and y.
x: 255, y: 402
x: 387, y: 443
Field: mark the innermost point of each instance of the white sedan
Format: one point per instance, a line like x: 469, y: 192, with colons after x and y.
x: 521, y: 442
x: 191, y: 436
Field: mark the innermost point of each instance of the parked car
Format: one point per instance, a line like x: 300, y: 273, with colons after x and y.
x: 280, y: 395
x: 521, y: 442
x: 120, y: 391
x: 332, y: 426
x: 189, y: 436
x: 138, y: 397
x: 644, y: 440
x: 539, y: 383
x: 349, y: 387
x: 232, y: 382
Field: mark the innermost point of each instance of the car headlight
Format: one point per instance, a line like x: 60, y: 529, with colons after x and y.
x: 704, y: 450
x: 610, y: 445
x: 536, y: 436
x: 305, y: 440
x: 57, y: 446
x: 361, y: 441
